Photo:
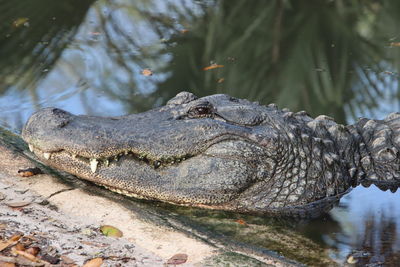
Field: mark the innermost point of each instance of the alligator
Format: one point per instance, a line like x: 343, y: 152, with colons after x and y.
x: 224, y: 153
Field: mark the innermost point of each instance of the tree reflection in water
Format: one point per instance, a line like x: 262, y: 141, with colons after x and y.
x: 369, y: 228
x: 29, y: 50
x: 326, y: 57
x: 339, y: 58
x: 378, y: 244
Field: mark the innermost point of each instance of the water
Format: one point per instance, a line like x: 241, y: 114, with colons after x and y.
x: 326, y: 57
x: 369, y: 223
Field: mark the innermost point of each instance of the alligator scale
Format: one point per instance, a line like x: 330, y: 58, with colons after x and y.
x: 224, y: 153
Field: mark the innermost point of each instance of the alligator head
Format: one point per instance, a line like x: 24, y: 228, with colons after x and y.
x: 216, y: 152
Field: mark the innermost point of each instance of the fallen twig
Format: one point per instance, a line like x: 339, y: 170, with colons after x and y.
x: 21, y: 261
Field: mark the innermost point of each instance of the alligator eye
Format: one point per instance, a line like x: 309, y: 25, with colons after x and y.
x: 202, y: 110
x: 205, y: 110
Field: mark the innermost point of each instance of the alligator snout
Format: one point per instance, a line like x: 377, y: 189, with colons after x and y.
x: 45, y: 121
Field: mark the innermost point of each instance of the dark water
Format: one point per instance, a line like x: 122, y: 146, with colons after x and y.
x: 339, y: 58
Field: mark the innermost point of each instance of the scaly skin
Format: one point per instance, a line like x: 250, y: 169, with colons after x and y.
x: 222, y: 153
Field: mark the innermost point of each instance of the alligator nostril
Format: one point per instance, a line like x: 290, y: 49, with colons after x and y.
x: 57, y: 111
x: 62, y: 123
x: 58, y: 117
x: 51, y: 118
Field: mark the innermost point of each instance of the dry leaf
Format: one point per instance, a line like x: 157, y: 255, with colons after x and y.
x: 184, y: 30
x: 147, y: 72
x: 67, y: 260
x: 389, y: 72
x: 220, y: 80
x: 95, y: 244
x: 178, y: 259
x: 28, y: 256
x: 33, y: 250
x: 30, y: 237
x: 15, y: 237
x: 29, y: 172
x: 20, y: 247
x: 18, y: 204
x: 395, y: 44
x: 213, y: 66
x: 96, y: 262
x: 50, y: 259
x: 241, y: 222
x: 7, y: 264
x: 111, y: 231
x: 21, y: 22
x: 10, y: 242
x: 4, y: 245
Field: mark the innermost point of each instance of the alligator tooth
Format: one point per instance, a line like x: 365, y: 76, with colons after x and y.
x: 157, y: 164
x: 46, y: 155
x: 30, y: 147
x: 74, y: 155
x: 93, y: 165
x: 106, y: 162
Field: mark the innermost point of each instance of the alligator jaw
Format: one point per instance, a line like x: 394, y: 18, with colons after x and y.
x: 186, y: 181
x: 94, y: 163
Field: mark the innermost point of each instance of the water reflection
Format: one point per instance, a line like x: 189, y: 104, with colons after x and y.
x: 369, y: 227
x: 378, y: 244
x: 327, y: 57
x: 33, y: 37
x: 335, y: 61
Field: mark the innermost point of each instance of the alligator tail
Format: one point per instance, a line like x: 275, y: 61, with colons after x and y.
x: 377, y: 156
